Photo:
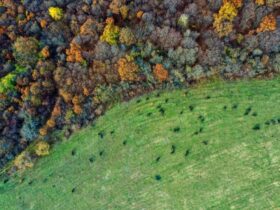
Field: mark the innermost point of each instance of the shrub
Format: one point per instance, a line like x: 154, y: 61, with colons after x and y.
x: 56, y: 13
x: 42, y: 148
x: 23, y: 161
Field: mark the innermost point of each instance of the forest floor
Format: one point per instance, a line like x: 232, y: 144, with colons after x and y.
x: 215, y: 146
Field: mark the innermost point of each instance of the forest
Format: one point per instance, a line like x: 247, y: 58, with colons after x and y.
x: 64, y: 62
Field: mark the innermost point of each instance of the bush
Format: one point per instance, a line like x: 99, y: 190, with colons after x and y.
x: 23, y: 161
x: 42, y: 148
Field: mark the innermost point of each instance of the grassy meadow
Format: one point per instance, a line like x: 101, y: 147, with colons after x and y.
x: 214, y: 146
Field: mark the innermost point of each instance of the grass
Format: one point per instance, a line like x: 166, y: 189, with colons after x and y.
x: 214, y: 147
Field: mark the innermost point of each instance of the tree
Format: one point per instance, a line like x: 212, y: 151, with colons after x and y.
x: 128, y: 70
x: 160, y: 73
x: 111, y: 32
x: 127, y: 37
x: 25, y: 51
x: 56, y: 13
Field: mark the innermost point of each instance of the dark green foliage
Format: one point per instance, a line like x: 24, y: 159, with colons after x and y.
x: 158, y: 159
x: 176, y: 130
x: 187, y: 153
x: 73, y: 152
x: 157, y: 177
x: 173, y: 149
x: 257, y: 127
x: 248, y: 110
x: 92, y: 159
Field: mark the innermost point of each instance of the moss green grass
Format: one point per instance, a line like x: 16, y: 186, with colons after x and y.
x: 216, y: 146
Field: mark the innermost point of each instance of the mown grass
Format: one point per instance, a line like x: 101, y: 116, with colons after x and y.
x: 214, y: 147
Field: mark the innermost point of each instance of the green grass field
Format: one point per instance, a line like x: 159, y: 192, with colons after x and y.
x: 214, y: 147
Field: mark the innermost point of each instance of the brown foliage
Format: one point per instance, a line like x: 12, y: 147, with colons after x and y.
x: 127, y: 37
x: 102, y: 72
x: 65, y: 95
x: 45, y: 52
x: 116, y: 5
x: 51, y: 123
x: 43, y: 23
x: 128, y: 70
x: 43, y: 131
x: 74, y: 54
x: 268, y: 24
x: 56, y: 110
x: 160, y: 73
x: 77, y: 109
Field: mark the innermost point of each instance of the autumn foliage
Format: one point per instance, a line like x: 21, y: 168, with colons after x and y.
x: 260, y: 2
x: 223, y: 21
x: 56, y: 13
x: 128, y: 70
x: 42, y: 148
x: 111, y: 32
x: 74, y: 54
x: 160, y: 73
x: 268, y: 24
x: 65, y: 62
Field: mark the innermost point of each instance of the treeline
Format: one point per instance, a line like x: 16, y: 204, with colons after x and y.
x: 63, y: 62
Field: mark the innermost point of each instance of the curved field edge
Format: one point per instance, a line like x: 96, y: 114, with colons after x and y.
x: 215, y: 146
